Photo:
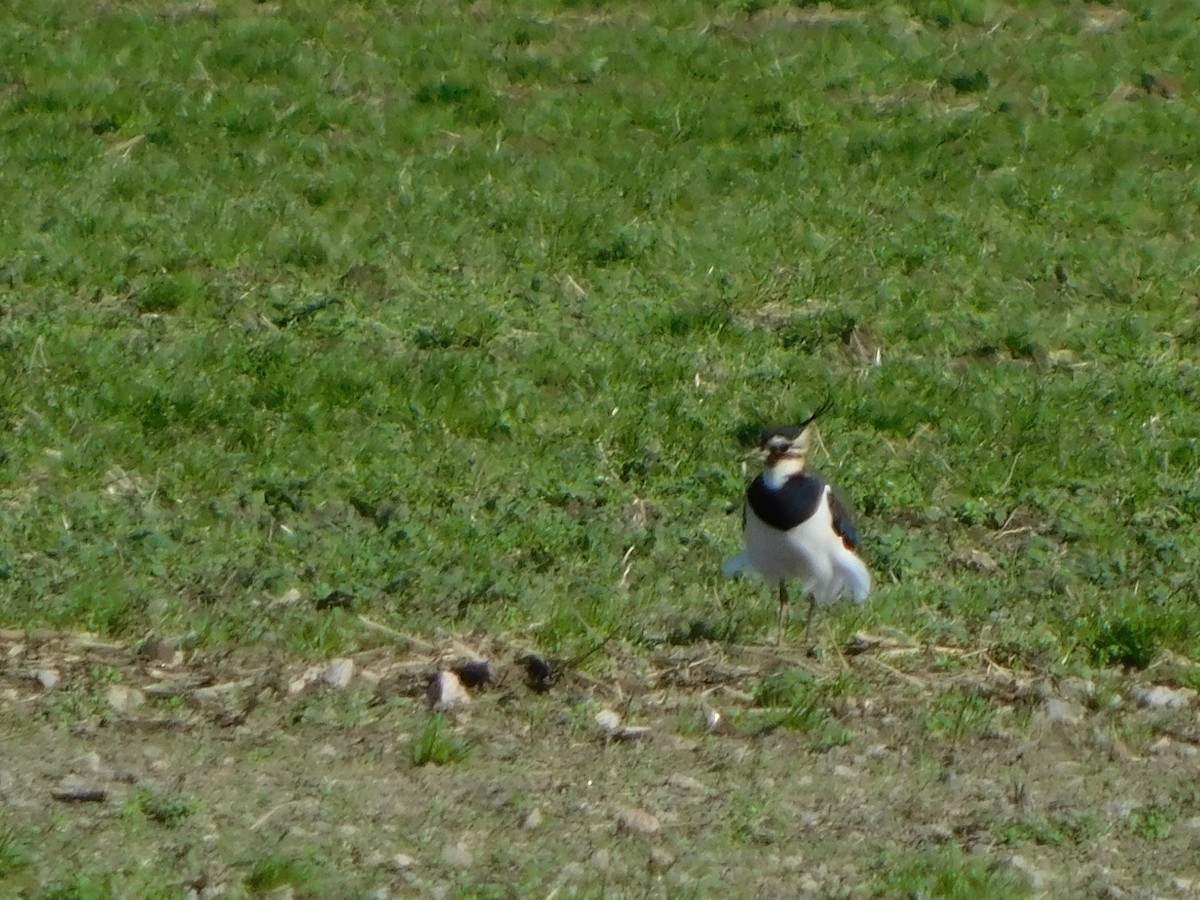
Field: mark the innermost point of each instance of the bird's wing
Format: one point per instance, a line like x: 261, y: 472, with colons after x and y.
x: 843, y: 518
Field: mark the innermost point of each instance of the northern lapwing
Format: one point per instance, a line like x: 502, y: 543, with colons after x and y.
x: 798, y: 527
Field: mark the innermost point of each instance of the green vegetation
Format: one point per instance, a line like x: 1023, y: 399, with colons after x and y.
x: 438, y: 745
x: 14, y: 852
x: 957, y: 715
x: 270, y: 872
x: 945, y: 873
x: 442, y: 311
x: 163, y: 808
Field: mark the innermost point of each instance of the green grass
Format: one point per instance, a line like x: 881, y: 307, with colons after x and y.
x: 437, y: 745
x: 447, y: 309
x: 944, y: 873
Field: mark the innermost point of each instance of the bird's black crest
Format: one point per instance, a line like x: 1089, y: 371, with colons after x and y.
x: 791, y: 432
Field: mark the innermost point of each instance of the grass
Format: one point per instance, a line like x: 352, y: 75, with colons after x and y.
x: 945, y: 873
x: 448, y: 326
x: 437, y: 745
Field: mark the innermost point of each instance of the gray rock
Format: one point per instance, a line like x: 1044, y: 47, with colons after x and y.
x: 74, y: 789
x: 1062, y: 712
x: 458, y: 856
x: 637, y: 821
x: 1032, y: 877
x: 1160, y: 696
x: 124, y: 699
x: 687, y: 783
x: 532, y: 819
x: 339, y: 673
x: 446, y: 693
x: 47, y: 678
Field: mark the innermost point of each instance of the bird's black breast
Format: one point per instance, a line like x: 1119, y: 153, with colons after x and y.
x: 795, y: 502
x: 790, y: 504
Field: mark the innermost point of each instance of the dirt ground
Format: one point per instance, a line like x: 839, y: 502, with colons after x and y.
x: 882, y: 769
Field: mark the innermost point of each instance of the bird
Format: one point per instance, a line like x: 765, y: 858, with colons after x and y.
x: 798, y: 526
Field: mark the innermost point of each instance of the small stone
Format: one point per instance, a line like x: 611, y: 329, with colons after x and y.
x: 1185, y: 885
x: 73, y: 789
x: 844, y: 772
x: 402, y: 861
x: 601, y: 859
x: 339, y: 673
x: 687, y: 783
x: 1123, y: 809
x: 47, y: 678
x: 1160, y: 747
x: 124, y: 699
x: 1162, y: 697
x: 637, y: 821
x: 160, y: 651
x: 608, y: 721
x: 87, y: 763
x: 310, y: 676
x: 457, y: 855
x: 660, y: 859
x: 712, y: 719
x: 288, y: 597
x: 1034, y: 878
x: 532, y: 820
x: 446, y: 693
x: 1077, y: 689
x: 1062, y: 712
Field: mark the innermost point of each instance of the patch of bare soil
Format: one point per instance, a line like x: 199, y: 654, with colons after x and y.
x: 668, y: 771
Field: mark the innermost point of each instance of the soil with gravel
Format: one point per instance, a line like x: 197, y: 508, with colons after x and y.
x: 153, y: 768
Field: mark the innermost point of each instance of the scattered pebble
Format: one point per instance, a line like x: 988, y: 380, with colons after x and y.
x: 124, y: 699
x: 532, y: 819
x: 288, y: 597
x: 74, y: 789
x: 339, y: 673
x: 1062, y: 712
x: 609, y: 722
x: 160, y: 651
x: 1123, y: 809
x: 1033, y: 878
x: 87, y: 763
x: 687, y: 783
x: 661, y: 859
x: 47, y: 678
x: 310, y: 676
x: 446, y: 693
x: 402, y: 861
x: 713, y: 720
x: 1160, y: 696
x: 637, y: 821
x: 457, y: 855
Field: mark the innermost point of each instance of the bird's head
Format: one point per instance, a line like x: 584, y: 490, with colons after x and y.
x: 784, y: 448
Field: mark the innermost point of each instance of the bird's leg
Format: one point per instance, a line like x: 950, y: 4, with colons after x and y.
x: 783, y: 599
x: 812, y: 609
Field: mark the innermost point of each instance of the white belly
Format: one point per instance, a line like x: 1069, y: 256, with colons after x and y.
x: 811, y: 553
